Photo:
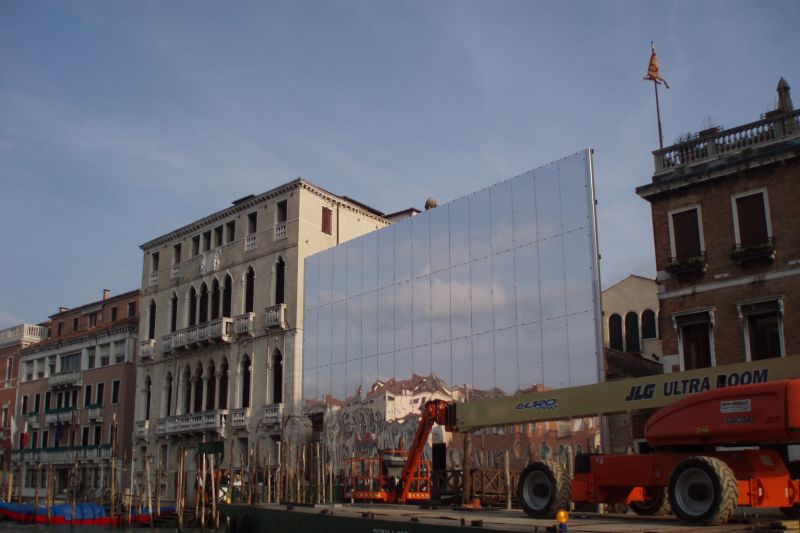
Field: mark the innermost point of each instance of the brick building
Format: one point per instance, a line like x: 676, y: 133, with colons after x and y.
x: 71, y: 387
x: 12, y: 341
x: 727, y: 241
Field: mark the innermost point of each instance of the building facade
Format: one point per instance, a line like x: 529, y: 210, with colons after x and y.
x: 12, y: 341
x: 727, y: 241
x: 74, y: 390
x: 630, y: 317
x: 221, y: 352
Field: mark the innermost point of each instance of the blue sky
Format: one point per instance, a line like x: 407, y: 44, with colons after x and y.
x: 121, y: 121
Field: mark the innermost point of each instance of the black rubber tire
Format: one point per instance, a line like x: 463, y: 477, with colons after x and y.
x: 794, y: 473
x: 703, y: 491
x: 657, y: 503
x: 544, y: 489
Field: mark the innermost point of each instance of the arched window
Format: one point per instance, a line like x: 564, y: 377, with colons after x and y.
x: 168, y: 393
x: 649, y: 325
x: 226, y: 297
x: 245, y: 381
x: 192, y: 307
x: 147, y: 385
x: 151, y: 327
x: 215, y: 300
x: 223, y: 386
x: 249, y: 287
x: 187, y: 390
x: 203, y: 303
x: 632, y: 344
x: 277, y: 377
x: 173, y: 317
x: 198, y: 389
x: 615, y: 332
x: 280, y: 267
x: 212, y: 388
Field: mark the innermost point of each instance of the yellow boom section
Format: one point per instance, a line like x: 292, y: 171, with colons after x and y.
x: 618, y: 396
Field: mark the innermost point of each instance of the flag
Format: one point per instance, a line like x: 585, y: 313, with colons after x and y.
x: 653, y: 72
x: 58, y: 428
x: 24, y: 436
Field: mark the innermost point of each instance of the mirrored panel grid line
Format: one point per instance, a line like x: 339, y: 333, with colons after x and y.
x: 493, y: 293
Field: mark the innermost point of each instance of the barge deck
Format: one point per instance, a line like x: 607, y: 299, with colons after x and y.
x: 355, y: 518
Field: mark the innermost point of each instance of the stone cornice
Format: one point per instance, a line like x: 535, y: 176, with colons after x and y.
x: 126, y: 327
x: 250, y: 203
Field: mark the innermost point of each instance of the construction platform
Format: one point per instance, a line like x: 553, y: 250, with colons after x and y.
x: 358, y: 518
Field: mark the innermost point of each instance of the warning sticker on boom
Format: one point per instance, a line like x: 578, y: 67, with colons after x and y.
x: 735, y: 406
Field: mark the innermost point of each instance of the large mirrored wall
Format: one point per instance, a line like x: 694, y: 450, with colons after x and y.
x: 493, y: 293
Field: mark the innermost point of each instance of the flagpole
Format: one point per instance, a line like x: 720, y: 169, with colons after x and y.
x: 658, y: 115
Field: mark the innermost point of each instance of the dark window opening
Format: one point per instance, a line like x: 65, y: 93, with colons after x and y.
x: 195, y: 245
x: 131, y: 309
x: 249, y: 290
x: 252, y: 218
x: 203, y: 303
x: 223, y: 386
x: 215, y: 300
x: 282, y: 211
x: 151, y: 327
x: 277, y: 377
x: 218, y: 236
x: 212, y: 389
x: 192, y: 307
x: 649, y: 324
x: 176, y: 254
x: 230, y: 231
x: 695, y: 335
x: 752, y: 218
x: 327, y: 224
x: 207, y: 241
x: 632, y: 333
x: 173, y: 318
x: 226, y: 297
x: 686, y: 230
x: 198, y: 391
x: 246, y: 383
x: 280, y: 269
x: 154, y: 262
x: 615, y: 332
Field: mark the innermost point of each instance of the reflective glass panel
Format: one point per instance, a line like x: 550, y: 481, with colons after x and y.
x: 480, y: 224
x: 402, y: 315
x: 339, y: 331
x: 369, y: 261
x: 548, y: 202
x: 524, y: 209
x: 440, y: 237
x: 502, y: 217
x: 354, y: 264
x: 402, y: 250
x: 339, y: 272
x: 354, y: 337
x: 459, y: 231
x: 385, y: 256
x: 420, y: 246
x: 422, y: 311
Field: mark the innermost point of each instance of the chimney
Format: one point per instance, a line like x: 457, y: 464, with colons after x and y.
x: 784, y: 97
x: 106, y: 292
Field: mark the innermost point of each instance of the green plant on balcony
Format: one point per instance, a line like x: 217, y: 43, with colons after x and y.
x: 742, y: 253
x: 684, y: 265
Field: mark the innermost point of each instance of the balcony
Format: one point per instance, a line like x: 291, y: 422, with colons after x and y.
x: 141, y: 429
x: 94, y: 412
x: 70, y: 378
x: 193, y: 423
x: 743, y: 253
x: 715, y: 143
x: 280, y: 231
x: 244, y: 324
x: 219, y: 329
x: 147, y: 349
x: 272, y: 417
x: 61, y: 415
x: 33, y: 421
x: 175, y: 271
x: 679, y: 266
x: 167, y: 343
x: 152, y: 280
x: 250, y: 242
x: 63, y: 456
x: 275, y: 317
x: 239, y: 417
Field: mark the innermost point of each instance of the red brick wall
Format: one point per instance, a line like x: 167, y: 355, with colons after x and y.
x: 782, y: 183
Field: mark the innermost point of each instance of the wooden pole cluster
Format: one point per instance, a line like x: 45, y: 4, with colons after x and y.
x: 180, y: 489
x: 113, y: 462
